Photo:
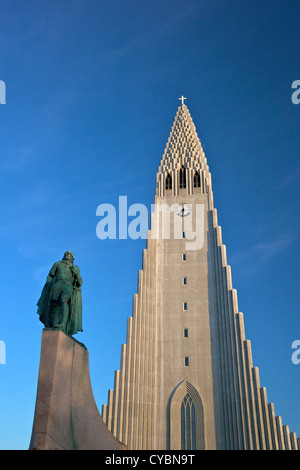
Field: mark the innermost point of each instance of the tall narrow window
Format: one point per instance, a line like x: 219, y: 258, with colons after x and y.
x: 186, y: 361
x: 169, y: 181
x: 185, y: 305
x: 184, y: 257
x: 197, y: 183
x: 186, y: 332
x: 188, y: 424
x: 184, y: 281
x: 182, y: 177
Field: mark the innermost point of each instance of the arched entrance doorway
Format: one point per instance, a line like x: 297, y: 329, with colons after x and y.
x: 185, y: 419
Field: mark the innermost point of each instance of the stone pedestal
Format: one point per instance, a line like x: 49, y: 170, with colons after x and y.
x: 66, y: 415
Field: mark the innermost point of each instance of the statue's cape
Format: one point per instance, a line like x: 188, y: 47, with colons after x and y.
x: 74, y: 323
x: 44, y: 306
x: 75, y: 319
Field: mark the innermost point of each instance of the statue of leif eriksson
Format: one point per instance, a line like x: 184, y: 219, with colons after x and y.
x: 60, y: 304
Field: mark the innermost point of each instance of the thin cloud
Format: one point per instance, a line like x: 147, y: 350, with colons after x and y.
x: 257, y: 256
x: 290, y: 179
x: 15, y: 159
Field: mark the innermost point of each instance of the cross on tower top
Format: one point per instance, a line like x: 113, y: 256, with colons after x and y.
x: 182, y: 99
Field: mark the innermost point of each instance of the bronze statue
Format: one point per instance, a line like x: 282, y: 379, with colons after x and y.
x: 60, y: 304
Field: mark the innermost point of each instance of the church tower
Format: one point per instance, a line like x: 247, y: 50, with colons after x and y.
x: 186, y: 379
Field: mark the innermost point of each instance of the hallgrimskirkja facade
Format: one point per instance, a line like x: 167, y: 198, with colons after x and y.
x: 186, y: 378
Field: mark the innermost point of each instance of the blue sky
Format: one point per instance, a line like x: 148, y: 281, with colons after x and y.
x: 92, y: 89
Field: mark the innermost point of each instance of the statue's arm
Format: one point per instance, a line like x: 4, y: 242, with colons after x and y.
x: 52, y: 273
x: 77, y: 275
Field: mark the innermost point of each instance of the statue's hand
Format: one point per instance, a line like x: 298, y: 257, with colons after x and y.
x: 77, y: 276
x: 74, y: 269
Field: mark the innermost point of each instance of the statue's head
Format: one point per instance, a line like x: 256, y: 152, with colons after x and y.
x: 68, y: 256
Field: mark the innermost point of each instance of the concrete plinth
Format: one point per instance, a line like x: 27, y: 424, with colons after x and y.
x: 66, y: 415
